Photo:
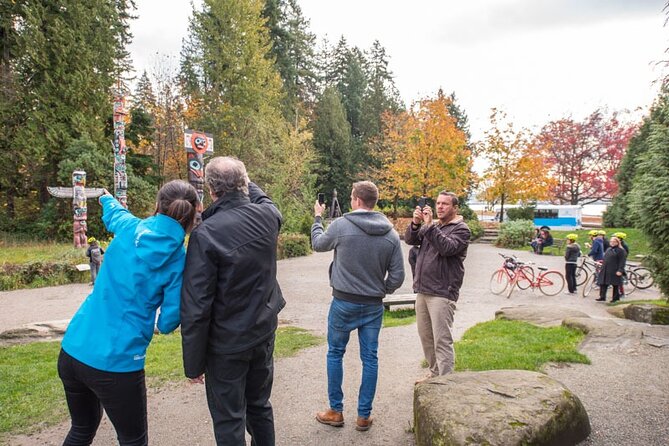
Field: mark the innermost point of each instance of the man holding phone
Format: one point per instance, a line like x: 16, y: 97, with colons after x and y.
x: 367, y: 265
x: 438, y: 277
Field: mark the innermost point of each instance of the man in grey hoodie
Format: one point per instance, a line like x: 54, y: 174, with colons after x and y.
x: 367, y: 265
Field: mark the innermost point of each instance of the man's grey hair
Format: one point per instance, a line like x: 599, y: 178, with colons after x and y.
x: 225, y: 174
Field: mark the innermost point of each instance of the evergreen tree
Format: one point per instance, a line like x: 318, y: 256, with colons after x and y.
x: 332, y: 140
x: 648, y: 198
x: 293, y: 52
x: 64, y: 57
x: 618, y: 214
x: 233, y: 90
x: 233, y: 86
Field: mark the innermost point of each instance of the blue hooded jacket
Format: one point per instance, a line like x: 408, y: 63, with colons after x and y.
x: 142, y: 271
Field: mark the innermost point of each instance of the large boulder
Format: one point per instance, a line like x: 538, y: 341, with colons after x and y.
x: 650, y: 314
x: 498, y: 407
x: 539, y: 315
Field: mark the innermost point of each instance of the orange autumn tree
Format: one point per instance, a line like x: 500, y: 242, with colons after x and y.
x: 425, y: 152
x: 516, y: 169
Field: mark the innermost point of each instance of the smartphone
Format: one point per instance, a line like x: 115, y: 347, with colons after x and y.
x: 321, y: 199
x: 422, y: 201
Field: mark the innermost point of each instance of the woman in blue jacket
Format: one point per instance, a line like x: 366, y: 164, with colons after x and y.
x: 101, y: 362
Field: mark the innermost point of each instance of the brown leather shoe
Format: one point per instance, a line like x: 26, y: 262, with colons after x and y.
x: 363, y: 424
x: 330, y: 417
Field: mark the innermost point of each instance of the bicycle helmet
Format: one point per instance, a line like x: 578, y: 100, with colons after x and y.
x: 571, y: 237
x: 91, y: 240
x: 601, y: 232
x: 620, y: 235
x: 593, y: 233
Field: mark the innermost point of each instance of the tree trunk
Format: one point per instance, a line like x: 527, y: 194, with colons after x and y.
x: 501, y: 209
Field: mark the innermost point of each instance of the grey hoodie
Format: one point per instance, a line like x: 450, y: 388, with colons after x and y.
x: 367, y: 262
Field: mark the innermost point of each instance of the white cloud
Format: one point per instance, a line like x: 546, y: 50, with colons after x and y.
x: 537, y: 59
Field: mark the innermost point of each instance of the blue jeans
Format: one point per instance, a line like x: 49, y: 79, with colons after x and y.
x: 343, y: 318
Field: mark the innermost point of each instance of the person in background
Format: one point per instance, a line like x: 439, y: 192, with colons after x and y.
x: 605, y: 241
x: 101, y: 363
x: 597, y: 247
x: 571, y: 255
x: 612, y: 270
x: 544, y: 240
x: 94, y: 254
x: 621, y: 236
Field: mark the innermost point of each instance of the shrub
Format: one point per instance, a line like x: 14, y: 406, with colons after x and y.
x: 515, y: 234
x: 38, y: 274
x: 521, y: 213
x: 293, y: 245
x: 476, y: 229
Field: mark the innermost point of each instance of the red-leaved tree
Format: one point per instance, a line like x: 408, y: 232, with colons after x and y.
x: 583, y: 157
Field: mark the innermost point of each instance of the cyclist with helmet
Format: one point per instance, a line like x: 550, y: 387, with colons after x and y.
x: 94, y: 254
x: 602, y: 233
x: 597, y: 247
x: 571, y: 255
x: 621, y: 236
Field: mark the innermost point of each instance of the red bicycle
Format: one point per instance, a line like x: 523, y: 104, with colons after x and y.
x: 501, y: 278
x: 549, y: 282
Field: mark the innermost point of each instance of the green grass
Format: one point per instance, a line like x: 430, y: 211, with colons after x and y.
x: 31, y: 394
x: 42, y: 251
x: 658, y: 302
x: 397, y: 318
x: 515, y: 345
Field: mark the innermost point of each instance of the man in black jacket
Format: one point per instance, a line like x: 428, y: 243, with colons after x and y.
x: 230, y: 300
x: 439, y: 274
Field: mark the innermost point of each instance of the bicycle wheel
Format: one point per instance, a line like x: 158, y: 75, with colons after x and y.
x: 499, y: 281
x: 581, y: 275
x: 642, y: 278
x: 588, y: 286
x: 629, y: 284
x: 551, y: 283
x: 525, y: 278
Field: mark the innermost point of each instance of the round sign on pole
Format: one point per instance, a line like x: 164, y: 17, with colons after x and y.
x: 199, y: 143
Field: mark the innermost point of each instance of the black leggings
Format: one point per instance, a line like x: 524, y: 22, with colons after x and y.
x: 89, y: 390
x: 570, y: 275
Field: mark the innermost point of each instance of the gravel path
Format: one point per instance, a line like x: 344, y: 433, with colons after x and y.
x: 624, y: 392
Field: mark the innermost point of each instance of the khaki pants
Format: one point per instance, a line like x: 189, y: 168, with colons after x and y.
x: 434, y: 318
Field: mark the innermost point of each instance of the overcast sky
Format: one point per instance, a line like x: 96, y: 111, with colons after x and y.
x: 537, y: 59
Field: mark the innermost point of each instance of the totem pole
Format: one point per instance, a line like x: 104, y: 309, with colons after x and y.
x: 197, y: 144
x: 120, y: 176
x: 78, y: 193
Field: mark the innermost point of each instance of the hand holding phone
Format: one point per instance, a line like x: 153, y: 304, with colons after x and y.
x: 321, y: 199
x: 422, y: 201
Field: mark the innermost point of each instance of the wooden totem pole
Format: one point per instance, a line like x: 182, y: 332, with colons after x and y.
x: 120, y: 176
x: 78, y: 193
x: 197, y: 144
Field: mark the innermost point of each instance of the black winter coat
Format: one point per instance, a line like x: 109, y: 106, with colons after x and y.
x: 230, y: 297
x: 614, y: 260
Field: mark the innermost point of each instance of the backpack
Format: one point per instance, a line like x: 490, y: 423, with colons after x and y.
x: 96, y: 255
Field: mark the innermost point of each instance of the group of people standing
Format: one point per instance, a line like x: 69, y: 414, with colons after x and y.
x: 611, y: 256
x: 223, y: 292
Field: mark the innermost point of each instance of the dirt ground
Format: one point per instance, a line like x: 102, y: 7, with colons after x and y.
x: 624, y: 392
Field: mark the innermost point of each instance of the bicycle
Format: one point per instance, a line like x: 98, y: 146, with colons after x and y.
x: 549, y: 282
x: 500, y: 279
